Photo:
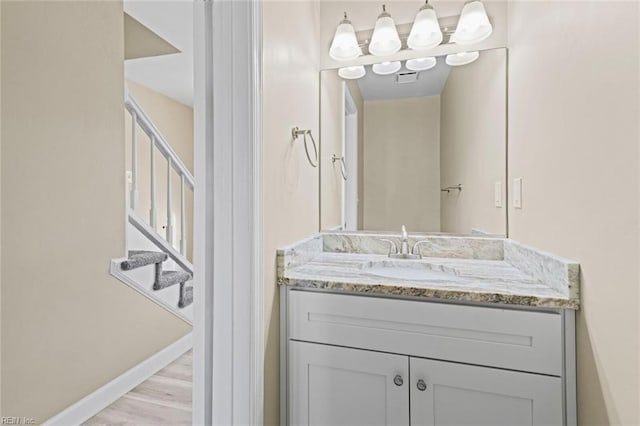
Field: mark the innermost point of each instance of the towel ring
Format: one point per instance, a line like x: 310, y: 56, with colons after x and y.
x: 343, y: 169
x: 295, y: 133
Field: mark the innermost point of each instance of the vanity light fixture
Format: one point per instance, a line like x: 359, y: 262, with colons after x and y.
x: 462, y: 58
x: 344, y: 46
x: 352, y: 73
x: 386, y: 68
x: 425, y: 32
x: 473, y: 25
x: 421, y: 64
x: 385, y: 39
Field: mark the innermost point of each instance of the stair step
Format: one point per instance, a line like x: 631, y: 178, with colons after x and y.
x: 140, y: 258
x: 186, y: 296
x: 169, y: 278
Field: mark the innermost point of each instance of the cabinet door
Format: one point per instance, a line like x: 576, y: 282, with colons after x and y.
x: 445, y: 393
x: 329, y: 385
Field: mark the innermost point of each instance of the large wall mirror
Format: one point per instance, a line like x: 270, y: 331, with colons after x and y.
x: 426, y: 149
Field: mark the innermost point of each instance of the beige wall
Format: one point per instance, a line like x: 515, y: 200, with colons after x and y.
x: 573, y: 139
x: 291, y: 186
x: 331, y: 142
x: 473, y: 144
x: 67, y: 326
x: 175, y: 122
x: 402, y: 164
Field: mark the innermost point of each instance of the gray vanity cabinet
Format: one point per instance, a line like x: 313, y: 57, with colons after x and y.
x: 358, y: 360
x: 331, y: 385
x: 446, y: 393
x: 340, y: 386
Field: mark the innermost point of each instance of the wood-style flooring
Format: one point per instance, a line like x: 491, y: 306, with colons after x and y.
x: 163, y: 399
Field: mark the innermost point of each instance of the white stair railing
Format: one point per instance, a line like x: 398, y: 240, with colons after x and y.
x: 140, y: 119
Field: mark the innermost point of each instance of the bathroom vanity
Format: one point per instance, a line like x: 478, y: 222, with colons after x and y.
x: 478, y: 331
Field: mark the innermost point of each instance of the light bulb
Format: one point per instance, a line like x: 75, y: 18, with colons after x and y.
x: 421, y: 64
x: 352, y: 73
x: 386, y: 68
x: 344, y: 46
x: 473, y: 25
x: 425, y: 32
x: 385, y: 39
x: 462, y: 58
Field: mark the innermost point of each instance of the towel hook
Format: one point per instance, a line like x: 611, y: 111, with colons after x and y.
x: 296, y: 133
x: 343, y: 168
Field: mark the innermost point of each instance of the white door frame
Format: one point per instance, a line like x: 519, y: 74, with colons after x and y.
x: 350, y: 146
x: 228, y: 300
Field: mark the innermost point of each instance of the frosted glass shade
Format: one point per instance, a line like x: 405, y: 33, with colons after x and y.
x: 344, y: 46
x: 473, y: 25
x: 462, y: 58
x: 425, y: 32
x: 386, y: 68
x: 352, y: 73
x: 421, y: 64
x: 385, y: 39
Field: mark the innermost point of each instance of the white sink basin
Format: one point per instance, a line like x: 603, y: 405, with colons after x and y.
x: 408, y: 270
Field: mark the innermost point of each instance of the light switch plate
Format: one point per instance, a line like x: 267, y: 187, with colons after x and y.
x: 517, y: 193
x: 129, y: 177
x: 497, y: 194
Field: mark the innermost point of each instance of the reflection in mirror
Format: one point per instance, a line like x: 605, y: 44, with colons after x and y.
x: 424, y: 149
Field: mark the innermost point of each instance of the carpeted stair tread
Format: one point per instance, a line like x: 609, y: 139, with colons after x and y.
x: 140, y: 258
x: 186, y: 296
x: 169, y: 278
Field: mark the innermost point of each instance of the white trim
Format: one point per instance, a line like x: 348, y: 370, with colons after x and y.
x: 101, y: 398
x: 116, y: 271
x: 257, y: 321
x: 203, y: 220
x: 350, y: 154
x: 228, y: 351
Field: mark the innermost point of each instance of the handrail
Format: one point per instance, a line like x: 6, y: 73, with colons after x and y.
x: 152, y: 131
x: 141, y: 119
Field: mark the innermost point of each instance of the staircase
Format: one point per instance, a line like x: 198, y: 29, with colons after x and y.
x: 153, y: 266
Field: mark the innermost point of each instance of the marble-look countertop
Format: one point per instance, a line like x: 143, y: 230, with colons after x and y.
x: 476, y: 269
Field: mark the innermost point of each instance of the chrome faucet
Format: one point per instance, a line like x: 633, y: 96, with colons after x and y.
x: 404, y: 252
x: 405, y: 241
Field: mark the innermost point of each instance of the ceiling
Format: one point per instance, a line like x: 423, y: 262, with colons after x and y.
x: 141, y: 42
x: 170, y: 74
x: 374, y: 87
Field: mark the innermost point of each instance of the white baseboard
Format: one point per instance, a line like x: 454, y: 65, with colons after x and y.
x: 101, y: 398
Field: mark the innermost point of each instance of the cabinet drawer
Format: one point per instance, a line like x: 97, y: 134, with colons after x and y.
x: 504, y: 338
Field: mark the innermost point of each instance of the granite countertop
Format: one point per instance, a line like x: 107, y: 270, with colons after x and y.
x: 476, y: 269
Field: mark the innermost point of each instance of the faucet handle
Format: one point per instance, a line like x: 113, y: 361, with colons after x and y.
x: 405, y: 236
x: 415, y: 250
x: 393, y: 248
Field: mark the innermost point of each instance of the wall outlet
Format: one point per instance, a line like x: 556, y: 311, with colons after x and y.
x: 497, y: 194
x: 517, y: 193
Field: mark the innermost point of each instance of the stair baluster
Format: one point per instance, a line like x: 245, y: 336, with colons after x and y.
x: 169, y: 199
x: 134, y: 161
x: 183, y: 236
x: 152, y: 212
